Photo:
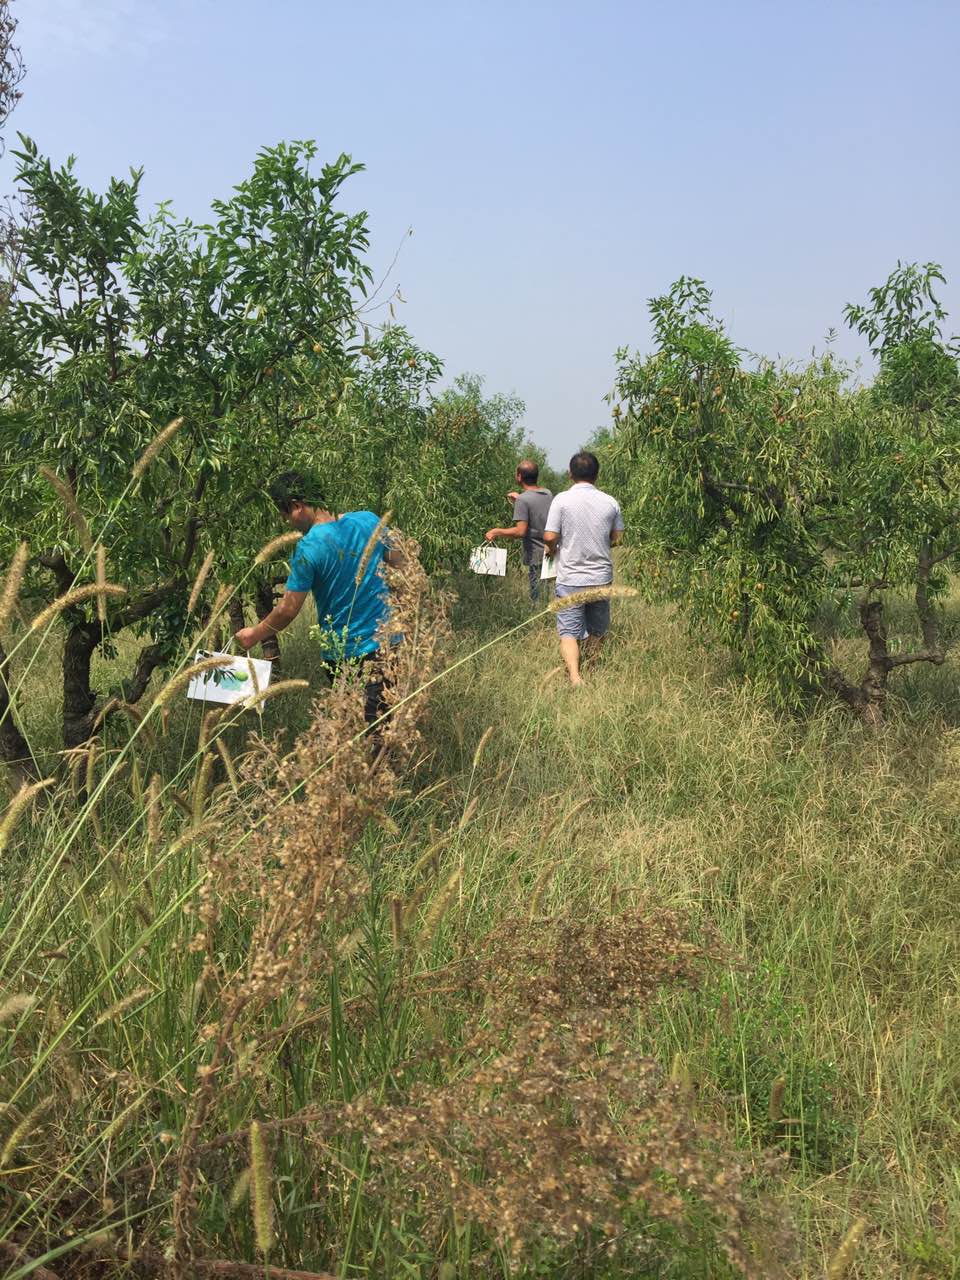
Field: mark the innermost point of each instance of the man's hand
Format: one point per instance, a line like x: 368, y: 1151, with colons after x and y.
x: 277, y: 620
x: 490, y: 535
x: 246, y: 637
x: 512, y: 496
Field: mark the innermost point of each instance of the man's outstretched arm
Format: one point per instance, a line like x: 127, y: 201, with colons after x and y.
x: 517, y: 531
x: 277, y: 620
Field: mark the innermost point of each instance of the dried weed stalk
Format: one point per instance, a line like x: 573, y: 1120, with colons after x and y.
x: 292, y: 867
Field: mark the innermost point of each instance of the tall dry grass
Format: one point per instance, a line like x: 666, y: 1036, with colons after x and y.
x: 547, y: 983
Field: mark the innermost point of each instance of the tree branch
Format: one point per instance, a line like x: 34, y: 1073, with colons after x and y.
x: 945, y: 555
x: 140, y: 608
x: 150, y: 657
x: 919, y: 655
x: 193, y: 523
x: 63, y: 575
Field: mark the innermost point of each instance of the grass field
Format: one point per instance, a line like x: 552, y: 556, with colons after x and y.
x: 818, y: 866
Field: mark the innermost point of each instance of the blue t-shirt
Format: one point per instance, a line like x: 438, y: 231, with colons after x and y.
x: 325, y: 562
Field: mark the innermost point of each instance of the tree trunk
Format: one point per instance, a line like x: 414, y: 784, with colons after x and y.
x: 79, y: 699
x: 14, y: 749
x: 235, y: 614
x: 264, y: 600
x: 873, y: 686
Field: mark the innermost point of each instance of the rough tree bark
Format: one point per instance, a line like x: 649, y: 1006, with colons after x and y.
x: 81, y: 703
x: 235, y: 614
x: 265, y: 597
x: 14, y: 748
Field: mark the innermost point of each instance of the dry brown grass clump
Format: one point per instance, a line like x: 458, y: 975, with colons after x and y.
x: 564, y: 1136
x: 610, y: 963
x: 549, y: 1130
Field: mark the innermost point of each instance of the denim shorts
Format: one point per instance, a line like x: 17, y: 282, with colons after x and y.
x: 582, y: 620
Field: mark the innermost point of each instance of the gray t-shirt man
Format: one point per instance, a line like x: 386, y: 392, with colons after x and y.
x: 532, y: 505
x: 584, y: 517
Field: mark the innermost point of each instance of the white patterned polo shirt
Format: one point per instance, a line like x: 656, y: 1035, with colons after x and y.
x: 584, y: 517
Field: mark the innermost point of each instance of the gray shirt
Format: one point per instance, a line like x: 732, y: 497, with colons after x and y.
x: 584, y: 517
x: 532, y: 506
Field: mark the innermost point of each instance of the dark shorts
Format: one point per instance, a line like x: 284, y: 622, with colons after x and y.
x: 582, y: 620
x: 369, y: 668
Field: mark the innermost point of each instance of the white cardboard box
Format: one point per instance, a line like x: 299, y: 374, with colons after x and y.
x: 488, y: 559
x: 239, y: 679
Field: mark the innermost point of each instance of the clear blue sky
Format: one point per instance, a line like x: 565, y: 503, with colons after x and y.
x: 559, y: 162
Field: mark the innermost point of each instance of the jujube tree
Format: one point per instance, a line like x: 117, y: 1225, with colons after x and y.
x: 765, y: 497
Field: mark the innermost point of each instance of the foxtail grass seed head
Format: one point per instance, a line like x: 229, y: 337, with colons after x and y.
x: 239, y: 1191
x: 216, y: 613
x: 101, y: 563
x: 253, y: 677
x: 371, y: 544
x: 153, y: 813
x: 430, y: 856
x: 14, y: 1006
x: 118, y: 1009
x: 228, y: 765
x: 842, y: 1260
x: 396, y: 922
x: 203, y: 782
x: 468, y: 813
x: 198, y: 583
x: 275, y: 545
x: 485, y: 738
x: 282, y: 686
x: 180, y: 681
x: 77, y: 595
x: 775, y: 1108
x: 119, y: 1121
x: 413, y: 903
x: 134, y: 714
x: 438, y: 909
x: 547, y: 873
x: 70, y: 506
x: 261, y: 1191
x: 207, y: 726
x: 589, y: 595
x: 22, y: 1130
x: 159, y: 442
x: 24, y: 797
x: 90, y: 779
x: 136, y: 783
x: 12, y: 583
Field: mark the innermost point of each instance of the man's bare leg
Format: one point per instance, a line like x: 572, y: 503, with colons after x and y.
x: 570, y: 653
x: 591, y: 650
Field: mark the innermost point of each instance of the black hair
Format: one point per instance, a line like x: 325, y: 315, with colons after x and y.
x: 295, y: 486
x: 584, y: 466
x: 528, y: 472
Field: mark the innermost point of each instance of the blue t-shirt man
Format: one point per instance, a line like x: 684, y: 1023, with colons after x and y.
x: 351, y: 605
x: 326, y: 561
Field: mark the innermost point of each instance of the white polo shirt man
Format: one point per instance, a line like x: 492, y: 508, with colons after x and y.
x: 583, y: 524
